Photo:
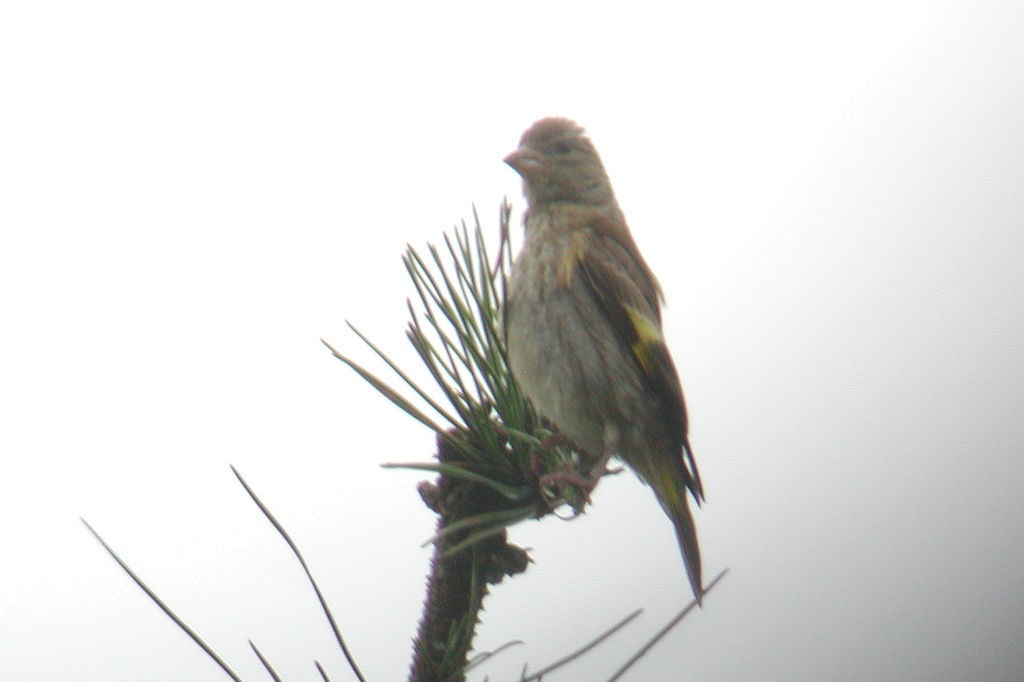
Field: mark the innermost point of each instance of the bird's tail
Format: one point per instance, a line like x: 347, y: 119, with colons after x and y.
x: 670, y: 486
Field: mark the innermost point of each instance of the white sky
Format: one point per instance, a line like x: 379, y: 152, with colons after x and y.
x: 194, y: 192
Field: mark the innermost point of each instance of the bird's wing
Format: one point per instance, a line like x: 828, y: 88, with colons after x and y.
x: 629, y: 297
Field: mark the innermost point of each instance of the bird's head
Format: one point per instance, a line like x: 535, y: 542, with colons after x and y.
x: 558, y: 162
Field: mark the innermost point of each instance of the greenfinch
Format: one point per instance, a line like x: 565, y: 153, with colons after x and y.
x: 583, y: 326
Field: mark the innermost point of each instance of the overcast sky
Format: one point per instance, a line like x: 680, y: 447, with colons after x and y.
x: 193, y: 193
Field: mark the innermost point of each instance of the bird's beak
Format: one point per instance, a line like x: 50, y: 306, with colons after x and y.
x: 526, y: 162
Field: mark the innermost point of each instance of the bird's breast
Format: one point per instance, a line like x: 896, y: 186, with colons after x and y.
x: 559, y: 343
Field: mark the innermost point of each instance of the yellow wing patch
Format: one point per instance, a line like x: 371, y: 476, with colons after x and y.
x: 648, y: 337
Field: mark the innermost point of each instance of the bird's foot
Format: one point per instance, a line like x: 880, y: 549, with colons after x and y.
x: 553, y: 488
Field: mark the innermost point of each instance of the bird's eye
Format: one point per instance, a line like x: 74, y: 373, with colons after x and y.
x: 562, y: 148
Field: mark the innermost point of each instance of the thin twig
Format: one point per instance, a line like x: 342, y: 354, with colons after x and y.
x: 266, y: 664
x: 585, y: 648
x: 166, y: 609
x: 488, y: 655
x: 664, y: 631
x: 316, y: 588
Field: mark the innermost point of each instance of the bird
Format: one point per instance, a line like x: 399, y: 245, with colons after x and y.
x: 583, y: 332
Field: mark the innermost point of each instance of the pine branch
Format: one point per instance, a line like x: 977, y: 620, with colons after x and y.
x: 494, y: 454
